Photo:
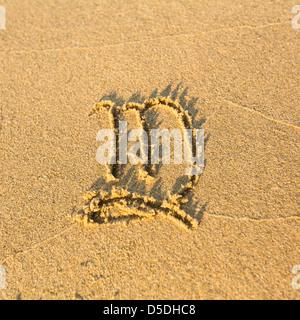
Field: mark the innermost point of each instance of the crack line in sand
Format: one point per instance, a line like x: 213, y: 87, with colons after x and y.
x: 220, y: 215
x: 147, y: 40
x: 209, y: 214
x: 261, y: 114
x: 36, y: 245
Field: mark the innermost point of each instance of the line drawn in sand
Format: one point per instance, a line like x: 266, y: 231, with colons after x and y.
x: 144, y: 190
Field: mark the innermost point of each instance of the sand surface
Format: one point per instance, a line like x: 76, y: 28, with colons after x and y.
x: 233, y: 65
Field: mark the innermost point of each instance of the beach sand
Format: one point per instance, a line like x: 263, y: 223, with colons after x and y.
x: 233, y: 65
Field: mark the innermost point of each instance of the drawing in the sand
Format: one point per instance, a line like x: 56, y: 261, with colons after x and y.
x: 118, y: 197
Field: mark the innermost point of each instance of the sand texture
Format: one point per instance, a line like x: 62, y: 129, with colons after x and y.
x: 73, y: 229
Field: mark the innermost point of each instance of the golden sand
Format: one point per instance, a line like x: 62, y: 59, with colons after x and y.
x: 234, y: 68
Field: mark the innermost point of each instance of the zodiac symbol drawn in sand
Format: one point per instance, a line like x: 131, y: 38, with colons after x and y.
x: 139, y: 190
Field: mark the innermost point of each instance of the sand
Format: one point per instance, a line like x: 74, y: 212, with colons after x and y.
x: 233, y: 66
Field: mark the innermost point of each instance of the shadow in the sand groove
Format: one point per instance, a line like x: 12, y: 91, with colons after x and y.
x: 128, y: 180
